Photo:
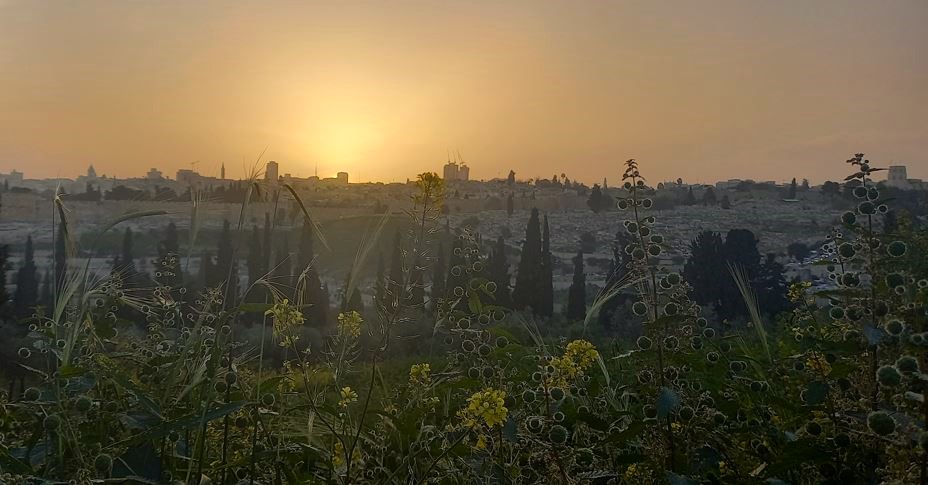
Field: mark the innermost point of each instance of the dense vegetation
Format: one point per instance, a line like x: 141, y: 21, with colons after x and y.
x: 452, y: 382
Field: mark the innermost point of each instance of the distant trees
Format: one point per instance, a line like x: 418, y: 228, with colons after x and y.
x: 61, y: 257
x: 499, y: 272
x: 690, y: 198
x: 510, y: 205
x: 725, y: 203
x: 587, y: 242
x: 831, y: 189
x: 314, y: 294
x: 798, y: 250
x: 708, y: 271
x: 708, y: 197
x: 511, y: 179
x: 227, y: 264
x: 255, y: 262
x: 576, y: 296
x: 598, y: 200
x: 27, y: 283
x: 533, y: 280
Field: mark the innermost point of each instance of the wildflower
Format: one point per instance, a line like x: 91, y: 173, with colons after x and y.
x: 818, y: 363
x: 348, y: 396
x: 349, y: 324
x: 420, y: 374
x: 285, y: 318
x: 338, y: 455
x: 797, y: 291
x: 485, y: 407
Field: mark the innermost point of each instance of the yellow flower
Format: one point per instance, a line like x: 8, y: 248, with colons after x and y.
x: 817, y: 363
x: 481, y: 442
x: 338, y: 454
x: 420, y: 374
x: 577, y: 358
x: 348, y: 397
x: 285, y: 318
x: 485, y: 407
x: 797, y: 291
x: 349, y: 324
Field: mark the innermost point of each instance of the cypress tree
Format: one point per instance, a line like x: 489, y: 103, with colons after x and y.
x: 314, y: 294
x: 27, y: 283
x: 45, y: 293
x: 283, y: 269
x: 705, y: 269
x: 546, y: 309
x: 4, y: 296
x: 167, y: 266
x: 227, y: 264
x: 256, y: 256
x: 124, y: 262
x: 576, y: 297
x: 525, y: 294
x: 499, y: 273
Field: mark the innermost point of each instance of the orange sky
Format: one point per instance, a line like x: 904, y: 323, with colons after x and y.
x: 701, y: 90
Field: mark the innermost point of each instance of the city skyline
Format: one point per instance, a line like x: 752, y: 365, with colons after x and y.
x: 739, y: 90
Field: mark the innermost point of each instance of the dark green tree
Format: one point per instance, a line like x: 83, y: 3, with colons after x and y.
x: 705, y: 269
x: 546, y: 307
x: 576, y: 296
x: 256, y: 256
x: 314, y: 294
x: 528, y: 276
x: 708, y: 197
x: 770, y: 286
x: 510, y: 205
x: 227, y: 264
x: 46, y: 298
x: 27, y: 283
x: 595, y: 200
x: 499, y: 273
x: 690, y: 198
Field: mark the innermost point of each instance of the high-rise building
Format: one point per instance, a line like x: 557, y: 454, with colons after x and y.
x: 454, y: 171
x: 270, y: 172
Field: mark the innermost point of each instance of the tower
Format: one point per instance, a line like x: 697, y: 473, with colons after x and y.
x: 222, y: 172
x: 270, y: 172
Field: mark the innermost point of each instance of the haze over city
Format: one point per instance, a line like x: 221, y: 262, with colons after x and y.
x: 700, y: 90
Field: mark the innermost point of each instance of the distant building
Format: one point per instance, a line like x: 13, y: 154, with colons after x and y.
x: 15, y: 177
x: 154, y: 174
x: 222, y: 172
x: 454, y: 171
x: 271, y: 172
x: 342, y: 178
x: 898, y: 177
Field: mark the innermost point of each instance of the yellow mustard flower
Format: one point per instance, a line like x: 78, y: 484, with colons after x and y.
x: 485, y: 407
x: 349, y: 324
x: 338, y: 455
x: 797, y: 291
x: 578, y: 357
x: 348, y: 396
x: 285, y: 318
x: 420, y: 374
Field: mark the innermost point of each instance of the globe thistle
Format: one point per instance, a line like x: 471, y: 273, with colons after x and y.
x: 484, y: 350
x: 268, y: 399
x: 529, y: 396
x: 468, y: 346
x: 896, y: 249
x: 708, y: 332
x: 103, y: 463
x: 639, y: 308
x: 534, y: 424
x: 644, y: 343
x: 558, y: 434
x: 847, y: 250
x: 83, y: 404
x: 881, y: 423
x: 894, y: 327
x: 473, y: 373
x: 558, y: 417
x: 52, y: 422
x: 849, y: 218
x: 650, y: 412
x: 866, y: 208
x: 888, y: 376
x: 686, y: 413
x: 502, y: 342
x: 907, y: 364
x: 557, y: 394
x: 860, y: 192
x: 813, y: 428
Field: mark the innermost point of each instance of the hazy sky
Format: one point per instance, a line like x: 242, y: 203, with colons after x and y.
x: 697, y: 89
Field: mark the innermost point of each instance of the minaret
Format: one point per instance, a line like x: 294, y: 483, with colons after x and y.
x: 222, y: 171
